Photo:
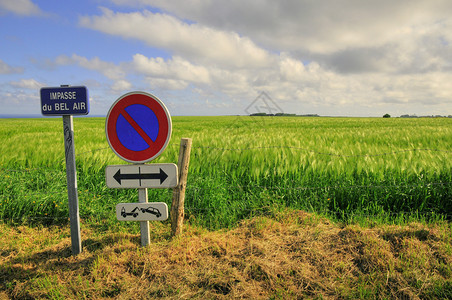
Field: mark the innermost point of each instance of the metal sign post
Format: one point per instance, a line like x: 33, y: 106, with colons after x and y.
x: 144, y: 225
x: 138, y: 129
x: 67, y: 101
x: 71, y: 177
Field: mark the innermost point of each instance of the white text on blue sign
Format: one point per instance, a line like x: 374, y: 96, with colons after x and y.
x: 64, y: 101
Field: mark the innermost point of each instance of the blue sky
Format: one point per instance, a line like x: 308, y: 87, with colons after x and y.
x: 212, y: 57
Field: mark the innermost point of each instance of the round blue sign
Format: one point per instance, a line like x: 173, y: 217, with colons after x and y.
x: 145, y: 119
x: 138, y: 127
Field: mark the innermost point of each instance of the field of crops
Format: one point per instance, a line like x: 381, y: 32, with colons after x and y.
x: 350, y: 169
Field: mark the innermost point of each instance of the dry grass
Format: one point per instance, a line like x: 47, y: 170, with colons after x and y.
x: 293, y: 255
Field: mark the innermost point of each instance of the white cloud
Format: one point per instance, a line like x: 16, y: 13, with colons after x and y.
x: 166, y: 84
x: 291, y: 70
x: 121, y: 85
x: 7, y: 69
x: 292, y: 84
x: 20, y: 7
x: 317, y: 26
x: 342, y: 57
x: 195, y: 41
x: 175, y: 68
x: 346, y: 35
x: 27, y: 84
x: 19, y: 102
x: 109, y: 70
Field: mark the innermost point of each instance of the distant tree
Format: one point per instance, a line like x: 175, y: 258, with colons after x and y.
x: 387, y: 116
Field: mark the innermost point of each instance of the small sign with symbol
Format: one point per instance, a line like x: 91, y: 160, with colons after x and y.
x: 150, y: 211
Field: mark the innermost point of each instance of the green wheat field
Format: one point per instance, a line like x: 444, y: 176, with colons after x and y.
x: 365, y: 170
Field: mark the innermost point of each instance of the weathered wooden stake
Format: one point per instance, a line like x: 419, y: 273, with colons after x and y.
x: 177, y: 207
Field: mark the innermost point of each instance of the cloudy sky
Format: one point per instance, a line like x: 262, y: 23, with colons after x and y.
x: 215, y: 57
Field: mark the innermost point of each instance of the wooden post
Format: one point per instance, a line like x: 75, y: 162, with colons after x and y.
x: 177, y: 207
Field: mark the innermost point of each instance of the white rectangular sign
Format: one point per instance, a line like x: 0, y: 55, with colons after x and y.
x: 149, y: 211
x: 142, y: 176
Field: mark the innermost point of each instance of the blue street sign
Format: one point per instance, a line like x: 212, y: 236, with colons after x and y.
x: 60, y: 101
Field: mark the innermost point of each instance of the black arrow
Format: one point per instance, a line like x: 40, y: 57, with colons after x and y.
x: 162, y: 176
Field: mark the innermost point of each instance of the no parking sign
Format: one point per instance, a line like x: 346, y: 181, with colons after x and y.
x: 138, y: 127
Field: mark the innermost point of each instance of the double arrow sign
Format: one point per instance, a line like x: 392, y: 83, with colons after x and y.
x: 142, y: 176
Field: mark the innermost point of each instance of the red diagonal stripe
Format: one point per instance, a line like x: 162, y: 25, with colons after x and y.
x: 137, y: 127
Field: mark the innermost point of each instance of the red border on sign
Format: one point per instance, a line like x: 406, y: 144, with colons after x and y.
x: 163, y: 135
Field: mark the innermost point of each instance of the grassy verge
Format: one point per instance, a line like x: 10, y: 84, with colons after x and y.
x: 292, y: 254
x: 375, y: 196
x: 350, y: 169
